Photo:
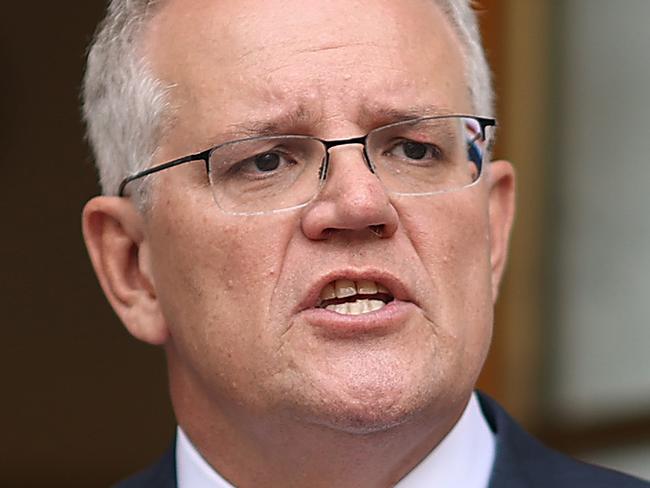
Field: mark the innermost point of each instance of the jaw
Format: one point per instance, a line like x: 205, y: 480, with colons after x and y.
x: 346, y: 443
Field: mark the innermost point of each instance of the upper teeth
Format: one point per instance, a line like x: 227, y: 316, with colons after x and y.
x: 348, y: 288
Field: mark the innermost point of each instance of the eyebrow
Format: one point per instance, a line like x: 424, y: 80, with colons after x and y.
x: 378, y: 115
x: 298, y: 120
x: 303, y: 120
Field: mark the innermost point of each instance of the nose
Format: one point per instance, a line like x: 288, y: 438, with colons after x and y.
x: 353, y: 200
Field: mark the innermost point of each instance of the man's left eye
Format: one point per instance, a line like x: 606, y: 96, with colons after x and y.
x: 415, y: 150
x: 267, y: 162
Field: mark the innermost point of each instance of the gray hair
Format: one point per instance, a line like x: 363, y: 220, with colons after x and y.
x: 126, y: 108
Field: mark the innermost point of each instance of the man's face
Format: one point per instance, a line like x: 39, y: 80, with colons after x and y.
x: 239, y: 294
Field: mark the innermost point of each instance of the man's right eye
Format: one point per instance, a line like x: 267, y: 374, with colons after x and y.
x: 263, y: 165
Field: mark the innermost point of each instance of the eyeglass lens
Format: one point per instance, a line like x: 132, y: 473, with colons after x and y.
x: 425, y: 156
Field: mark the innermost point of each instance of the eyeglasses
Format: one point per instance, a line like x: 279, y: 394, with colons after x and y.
x: 266, y: 174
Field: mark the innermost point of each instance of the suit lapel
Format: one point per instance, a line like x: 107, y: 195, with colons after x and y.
x: 512, y: 443
x: 160, y: 475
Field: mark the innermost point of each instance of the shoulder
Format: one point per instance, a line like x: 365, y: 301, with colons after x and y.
x: 522, y: 460
x: 162, y: 474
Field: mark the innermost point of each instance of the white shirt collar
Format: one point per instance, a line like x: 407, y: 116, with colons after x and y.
x: 192, y: 471
x: 463, y: 458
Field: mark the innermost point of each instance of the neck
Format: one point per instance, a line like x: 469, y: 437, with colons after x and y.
x: 275, y: 449
x: 268, y: 453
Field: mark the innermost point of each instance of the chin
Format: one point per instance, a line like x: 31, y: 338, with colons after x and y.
x: 371, y: 405
x: 376, y: 386
x: 365, y: 420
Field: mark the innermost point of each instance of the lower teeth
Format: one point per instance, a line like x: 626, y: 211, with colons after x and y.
x: 357, y: 307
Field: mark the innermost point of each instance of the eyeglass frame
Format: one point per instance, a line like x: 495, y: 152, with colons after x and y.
x: 484, y: 123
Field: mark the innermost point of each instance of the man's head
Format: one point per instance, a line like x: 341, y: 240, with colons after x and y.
x: 126, y: 106
x: 234, y: 299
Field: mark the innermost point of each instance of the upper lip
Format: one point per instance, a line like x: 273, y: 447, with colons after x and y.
x: 396, y: 287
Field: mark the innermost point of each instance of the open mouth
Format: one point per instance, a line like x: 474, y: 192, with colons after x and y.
x: 354, y: 297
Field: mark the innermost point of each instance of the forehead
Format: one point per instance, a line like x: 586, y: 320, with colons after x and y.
x: 320, y: 61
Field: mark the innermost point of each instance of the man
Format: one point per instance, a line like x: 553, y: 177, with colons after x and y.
x: 302, y: 213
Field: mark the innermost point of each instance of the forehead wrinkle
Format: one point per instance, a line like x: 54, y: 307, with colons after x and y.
x: 334, y: 47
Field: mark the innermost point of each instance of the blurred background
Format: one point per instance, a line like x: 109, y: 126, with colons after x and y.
x: 83, y: 404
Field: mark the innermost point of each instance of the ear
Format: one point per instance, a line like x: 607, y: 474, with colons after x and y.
x: 501, y: 204
x: 114, y: 233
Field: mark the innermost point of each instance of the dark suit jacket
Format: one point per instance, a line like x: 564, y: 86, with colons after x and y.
x: 521, y: 461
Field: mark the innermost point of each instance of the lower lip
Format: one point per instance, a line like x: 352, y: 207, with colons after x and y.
x: 390, y: 318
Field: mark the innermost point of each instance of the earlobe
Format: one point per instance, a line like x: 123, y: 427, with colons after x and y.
x: 501, y: 181
x: 113, y: 230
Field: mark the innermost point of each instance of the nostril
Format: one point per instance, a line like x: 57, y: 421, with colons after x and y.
x: 378, y: 230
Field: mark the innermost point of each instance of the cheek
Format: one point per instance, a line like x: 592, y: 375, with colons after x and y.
x: 450, y: 234
x: 452, y: 244
x: 215, y: 277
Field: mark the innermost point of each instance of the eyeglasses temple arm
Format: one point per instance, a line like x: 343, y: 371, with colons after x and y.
x: 205, y: 155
